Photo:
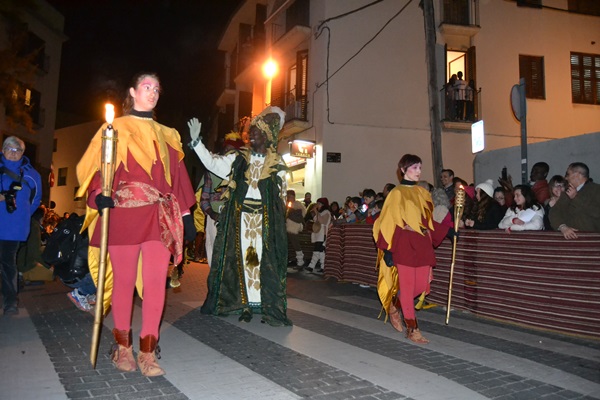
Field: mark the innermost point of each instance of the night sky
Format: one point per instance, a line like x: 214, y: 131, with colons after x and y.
x: 111, y: 40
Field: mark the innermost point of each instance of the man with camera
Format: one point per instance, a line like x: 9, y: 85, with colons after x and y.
x: 20, y: 196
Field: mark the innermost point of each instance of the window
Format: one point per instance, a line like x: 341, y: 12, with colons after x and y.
x: 30, y: 46
x: 585, y: 78
x: 532, y: 69
x: 62, y: 177
x: 29, y: 100
x: 290, y: 91
x: 456, y: 12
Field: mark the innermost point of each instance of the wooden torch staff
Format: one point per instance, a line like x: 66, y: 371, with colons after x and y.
x: 109, y: 145
x: 459, y: 203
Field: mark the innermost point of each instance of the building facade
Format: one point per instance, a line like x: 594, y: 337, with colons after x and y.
x: 43, y: 27
x: 70, y: 143
x: 355, y: 78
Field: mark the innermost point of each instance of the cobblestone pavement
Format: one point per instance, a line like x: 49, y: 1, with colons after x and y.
x: 337, y: 349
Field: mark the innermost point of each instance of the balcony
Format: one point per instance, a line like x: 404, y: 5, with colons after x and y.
x: 459, y: 18
x: 460, y: 108
x: 295, y: 108
x: 292, y: 27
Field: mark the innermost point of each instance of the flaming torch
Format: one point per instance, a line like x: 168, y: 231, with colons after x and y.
x: 459, y: 203
x: 109, y: 145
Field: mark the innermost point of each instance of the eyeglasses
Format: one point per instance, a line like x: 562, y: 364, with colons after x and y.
x: 13, y: 149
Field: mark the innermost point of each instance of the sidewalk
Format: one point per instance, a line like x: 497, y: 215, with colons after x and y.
x: 337, y: 349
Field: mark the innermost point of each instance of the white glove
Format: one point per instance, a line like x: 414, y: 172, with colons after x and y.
x: 194, y: 126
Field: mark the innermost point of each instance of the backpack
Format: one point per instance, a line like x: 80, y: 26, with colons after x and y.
x: 67, y: 249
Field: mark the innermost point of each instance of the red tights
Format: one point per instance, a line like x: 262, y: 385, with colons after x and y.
x: 412, y: 281
x: 155, y: 262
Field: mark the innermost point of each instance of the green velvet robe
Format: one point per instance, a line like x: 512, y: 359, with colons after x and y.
x: 226, y: 287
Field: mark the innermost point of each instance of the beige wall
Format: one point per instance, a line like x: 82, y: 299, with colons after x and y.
x: 71, y: 144
x: 377, y: 108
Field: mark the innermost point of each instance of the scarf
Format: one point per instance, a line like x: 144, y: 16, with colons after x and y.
x: 137, y: 194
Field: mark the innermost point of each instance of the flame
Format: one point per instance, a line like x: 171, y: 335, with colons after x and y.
x: 110, y: 113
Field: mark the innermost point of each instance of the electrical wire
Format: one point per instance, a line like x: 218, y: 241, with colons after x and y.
x: 320, y: 31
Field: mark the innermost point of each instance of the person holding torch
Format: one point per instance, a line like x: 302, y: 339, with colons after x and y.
x: 150, y: 202
x: 405, y: 234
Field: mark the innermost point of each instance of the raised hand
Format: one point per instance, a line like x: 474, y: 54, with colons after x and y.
x: 195, y: 127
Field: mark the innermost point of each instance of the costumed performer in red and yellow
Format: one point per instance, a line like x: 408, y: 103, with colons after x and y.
x: 152, y: 195
x: 406, y: 234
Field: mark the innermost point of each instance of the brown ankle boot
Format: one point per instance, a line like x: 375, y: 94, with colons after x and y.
x: 122, y: 351
x: 147, y: 357
x: 395, y: 319
x: 413, y: 332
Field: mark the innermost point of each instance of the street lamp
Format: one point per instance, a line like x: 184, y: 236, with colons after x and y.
x: 269, y: 70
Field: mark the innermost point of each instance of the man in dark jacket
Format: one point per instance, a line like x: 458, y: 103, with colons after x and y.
x: 20, y: 196
x: 577, y: 207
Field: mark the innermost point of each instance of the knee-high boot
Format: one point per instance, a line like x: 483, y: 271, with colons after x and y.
x: 313, y: 261
x: 395, y: 318
x: 147, y: 357
x: 413, y: 332
x: 122, y: 351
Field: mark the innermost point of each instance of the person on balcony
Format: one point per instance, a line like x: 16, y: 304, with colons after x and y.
x: 450, y: 102
x: 460, y: 89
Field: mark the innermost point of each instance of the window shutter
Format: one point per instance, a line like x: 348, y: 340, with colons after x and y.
x: 278, y: 91
x: 302, y: 82
x: 585, y: 78
x: 532, y: 69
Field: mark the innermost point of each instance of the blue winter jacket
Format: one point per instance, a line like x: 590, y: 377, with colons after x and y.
x: 15, y: 225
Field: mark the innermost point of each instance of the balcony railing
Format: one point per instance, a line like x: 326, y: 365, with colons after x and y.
x: 297, y: 14
x: 294, y: 106
x: 460, y: 105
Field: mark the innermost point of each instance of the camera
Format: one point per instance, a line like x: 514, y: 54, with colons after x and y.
x: 10, y: 196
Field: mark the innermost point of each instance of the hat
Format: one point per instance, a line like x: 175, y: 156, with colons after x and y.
x: 323, y: 201
x: 487, y: 187
x: 234, y: 140
x: 270, y: 121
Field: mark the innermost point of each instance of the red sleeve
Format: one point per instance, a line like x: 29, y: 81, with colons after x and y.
x: 94, y: 189
x: 182, y: 186
x: 438, y: 234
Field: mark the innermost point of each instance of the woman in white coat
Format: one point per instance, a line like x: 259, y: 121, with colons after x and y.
x: 525, y: 214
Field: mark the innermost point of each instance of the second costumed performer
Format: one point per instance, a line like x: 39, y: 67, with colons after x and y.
x: 249, y: 262
x: 406, y: 233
